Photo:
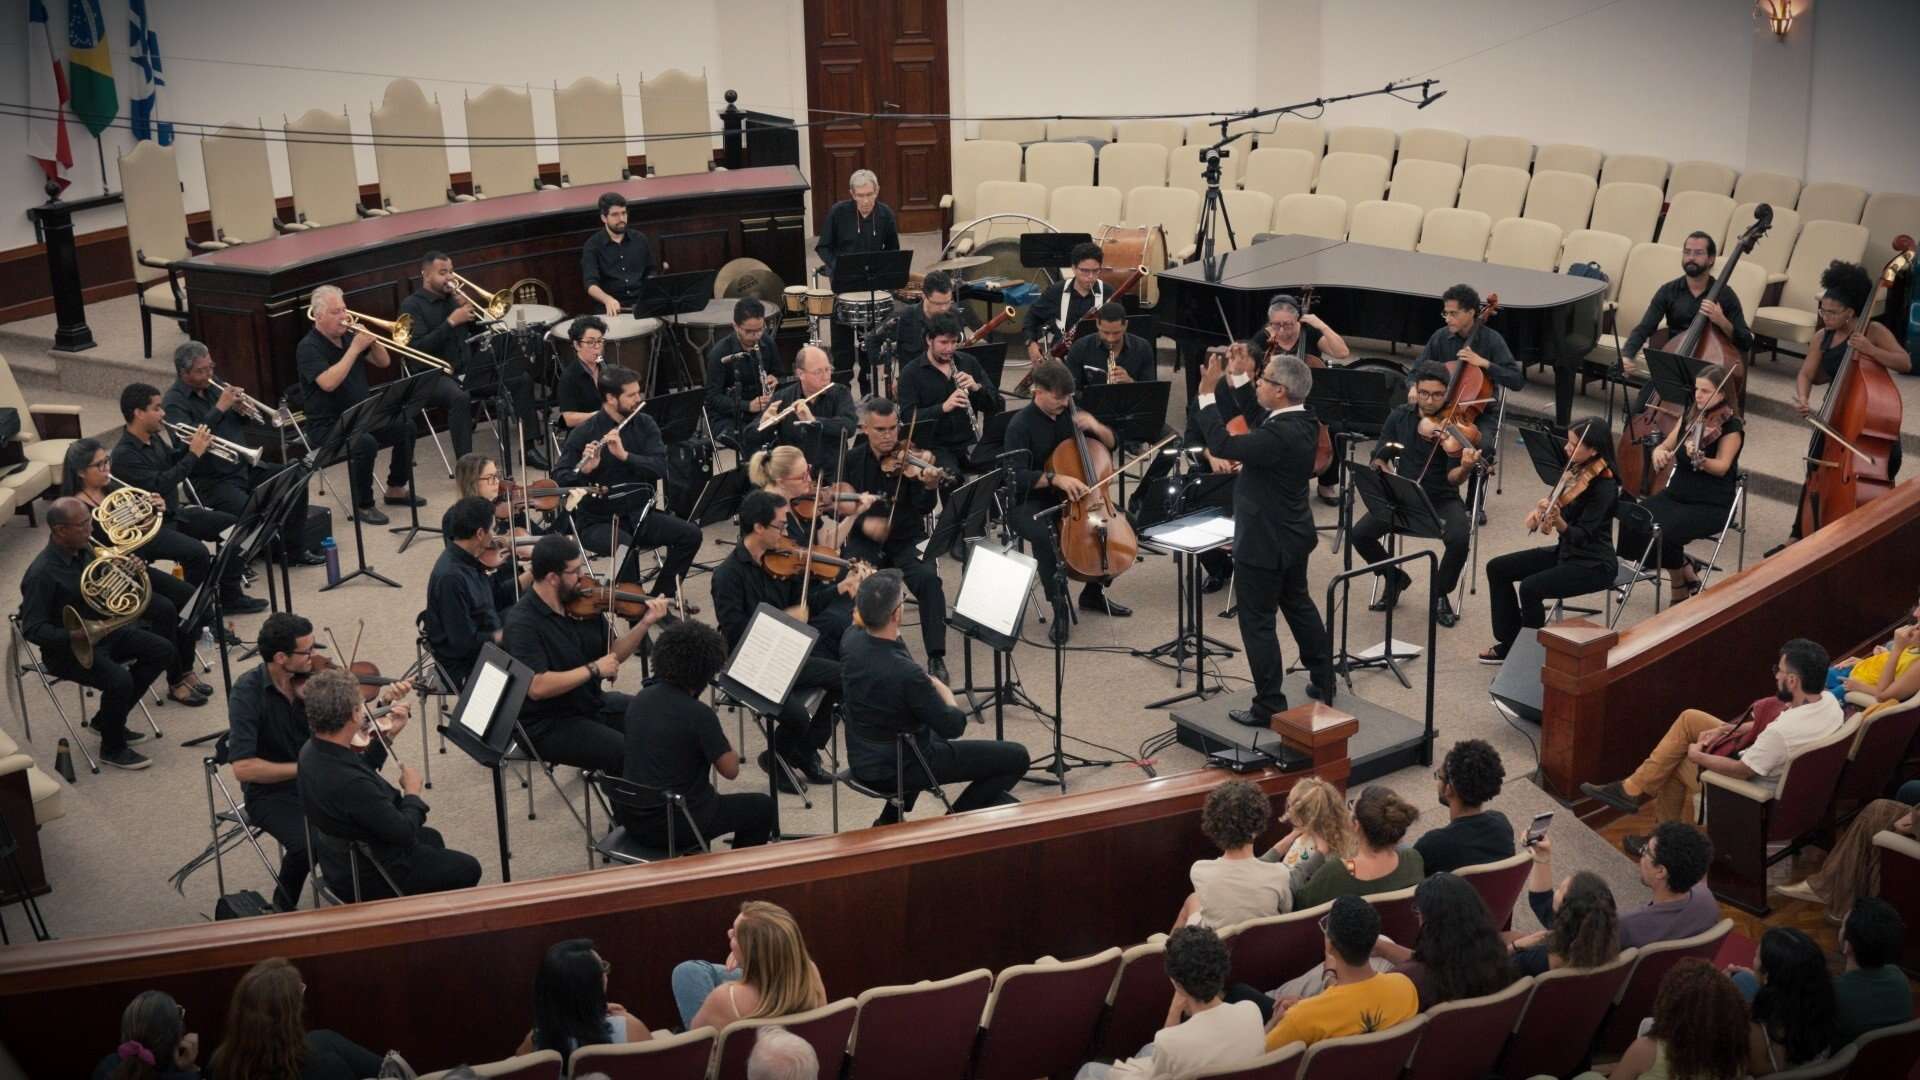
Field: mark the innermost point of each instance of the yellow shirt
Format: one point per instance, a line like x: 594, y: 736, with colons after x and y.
x: 1354, y: 1009
x: 1869, y: 670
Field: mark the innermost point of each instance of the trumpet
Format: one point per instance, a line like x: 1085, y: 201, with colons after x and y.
x: 223, y: 449
x: 491, y: 305
x: 394, y: 334
x: 256, y: 410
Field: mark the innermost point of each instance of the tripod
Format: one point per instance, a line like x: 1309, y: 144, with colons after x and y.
x: 1058, y: 762
x: 1213, y: 208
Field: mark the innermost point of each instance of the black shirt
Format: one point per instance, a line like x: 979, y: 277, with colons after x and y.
x: 263, y: 723
x: 1413, y: 453
x: 618, y: 267
x: 461, y: 612
x: 740, y: 586
x: 924, y: 387
x: 52, y: 583
x: 1588, y: 535
x: 910, y: 331
x: 1032, y: 430
x: 673, y: 739
x: 887, y: 692
x: 345, y: 797
x: 835, y: 416
x: 329, y: 1056
x: 1833, y: 349
x: 548, y: 640
x: 1305, y: 345
x: 1444, y: 347
x: 1676, y: 305
x: 1089, y: 356
x: 314, y: 356
x: 733, y: 381
x: 154, y: 465
x: 576, y: 390
x: 1692, y: 484
x: 432, y: 333
x: 916, y: 499
x: 185, y: 405
x: 1043, y: 318
x: 646, y: 464
x: 1469, y: 841
x: 847, y: 233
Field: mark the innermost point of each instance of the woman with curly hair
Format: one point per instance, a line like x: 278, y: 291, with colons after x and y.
x: 767, y: 974
x: 1379, y: 864
x: 1795, y: 1015
x: 1459, y: 953
x: 1581, y: 918
x: 1236, y: 886
x: 1699, y: 1030
x: 267, y: 1038
x: 1320, y: 821
x: 1845, y: 290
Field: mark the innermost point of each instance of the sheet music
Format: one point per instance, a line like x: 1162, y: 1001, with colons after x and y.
x: 489, y: 682
x: 995, y: 587
x: 1202, y: 534
x: 769, y: 657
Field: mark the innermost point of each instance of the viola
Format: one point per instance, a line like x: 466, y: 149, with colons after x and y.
x: 494, y: 555
x: 1573, y: 483
x: 592, y: 597
x: 789, y: 561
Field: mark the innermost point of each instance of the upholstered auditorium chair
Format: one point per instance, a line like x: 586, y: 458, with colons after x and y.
x: 1754, y: 826
x: 1434, y: 144
x: 676, y: 103
x: 1651, y: 963
x: 1793, y: 318
x: 156, y: 234
x: 1249, y: 212
x: 1609, y: 250
x: 1355, y: 177
x: 1900, y: 885
x: 1083, y: 209
x: 1186, y: 169
x: 1017, y: 132
x: 1828, y: 201
x: 44, y: 790
x: 1324, y: 216
x: 1167, y: 133
x: 46, y: 431
x: 1498, y: 191
x: 1749, y: 281
x: 410, y: 150
x: 1888, y: 214
x: 1465, y: 1038
x: 1357, y: 139
x: 1774, y: 250
x: 1634, y: 169
x: 1555, y: 1033
x: 1568, y: 157
x: 1007, y: 197
x: 1095, y: 132
x: 1398, y: 918
x: 1887, y: 1050
x: 1291, y: 133
x: 664, y: 1057
x: 918, y: 1031
x: 1040, y: 1018
x: 1176, y: 210
x: 1877, y: 752
x: 1533, y: 245
x: 1425, y: 184
x: 1500, y: 883
x: 1279, y: 171
x: 590, y: 118
x: 1648, y: 267
x: 1510, y: 151
x: 1385, y: 224
x: 1708, y: 176
x: 1777, y: 190
x: 1377, y: 1053
x: 1059, y: 164
x: 825, y: 1029
x: 1125, y: 166
x: 974, y: 162
x: 1564, y: 198
x: 1630, y: 209
x: 321, y: 169
x: 240, y: 186
x: 1281, y: 1064
x: 539, y: 1065
x: 1696, y: 210
x: 500, y: 157
x: 1274, y: 948
x: 1137, y: 1001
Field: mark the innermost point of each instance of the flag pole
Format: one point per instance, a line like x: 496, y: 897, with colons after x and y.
x: 101, y: 149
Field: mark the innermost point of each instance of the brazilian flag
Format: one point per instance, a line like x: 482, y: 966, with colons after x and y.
x: 90, y: 66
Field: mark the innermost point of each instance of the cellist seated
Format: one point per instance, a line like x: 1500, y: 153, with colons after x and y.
x: 1039, y: 429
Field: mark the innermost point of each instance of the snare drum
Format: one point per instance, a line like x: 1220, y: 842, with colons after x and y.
x: 820, y: 303
x: 862, y: 310
x: 794, y: 297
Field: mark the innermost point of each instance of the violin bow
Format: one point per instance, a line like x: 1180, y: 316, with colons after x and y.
x: 894, y: 506
x: 1130, y: 463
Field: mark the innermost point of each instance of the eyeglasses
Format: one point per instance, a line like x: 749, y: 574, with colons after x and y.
x: 1430, y: 395
x: 605, y: 967
x: 1832, y: 312
x: 488, y: 476
x: 1324, y: 919
x: 592, y: 342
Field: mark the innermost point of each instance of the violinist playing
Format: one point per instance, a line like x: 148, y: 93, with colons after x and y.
x: 467, y: 590
x: 892, y: 523
x: 815, y: 414
x: 745, y: 580
x: 1704, y: 454
x: 784, y: 471
x: 1580, y: 509
x: 1415, y: 446
x: 569, y: 714
x: 943, y: 397
x: 266, y: 727
x: 1111, y: 354
x: 1036, y: 430
x: 1845, y: 289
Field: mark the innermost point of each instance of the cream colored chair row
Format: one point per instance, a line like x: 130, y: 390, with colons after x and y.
x: 46, y: 431
x: 1793, y: 318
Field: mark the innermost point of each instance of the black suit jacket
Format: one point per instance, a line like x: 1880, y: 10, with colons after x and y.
x: 1272, y: 520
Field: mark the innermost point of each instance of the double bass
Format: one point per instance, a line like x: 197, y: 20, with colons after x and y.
x: 1856, y: 430
x: 1702, y: 341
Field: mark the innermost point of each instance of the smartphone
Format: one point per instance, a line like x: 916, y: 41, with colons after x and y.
x: 1539, y: 827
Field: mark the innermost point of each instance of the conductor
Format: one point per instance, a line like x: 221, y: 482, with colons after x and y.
x: 1274, y: 529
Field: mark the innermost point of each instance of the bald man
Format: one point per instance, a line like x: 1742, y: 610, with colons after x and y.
x: 820, y: 426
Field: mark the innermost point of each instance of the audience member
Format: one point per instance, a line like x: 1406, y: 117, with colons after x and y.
x: 1872, y: 992
x: 1360, y: 999
x: 266, y: 1037
x: 570, y: 1006
x: 1380, y: 865
x: 1670, y: 777
x: 154, y: 1042
x: 1888, y: 673
x: 767, y: 974
x: 1674, y: 865
x: 1321, y: 822
x: 1852, y: 868
x: 1699, y: 1030
x: 779, y: 1054
x: 1581, y: 920
x: 1792, y: 1002
x: 1203, y: 1030
x: 1458, y: 953
x: 1470, y: 777
x: 1236, y: 886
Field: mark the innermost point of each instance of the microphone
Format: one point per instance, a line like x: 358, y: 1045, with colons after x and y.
x: 1428, y: 97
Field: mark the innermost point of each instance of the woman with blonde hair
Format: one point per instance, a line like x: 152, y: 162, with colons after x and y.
x: 784, y: 471
x: 767, y: 973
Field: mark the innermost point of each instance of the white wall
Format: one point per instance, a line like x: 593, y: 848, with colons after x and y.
x: 1865, y: 122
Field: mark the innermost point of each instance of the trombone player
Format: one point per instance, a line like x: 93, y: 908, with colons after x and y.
x: 125, y: 661
x: 196, y: 399
x: 334, y: 377
x: 443, y: 316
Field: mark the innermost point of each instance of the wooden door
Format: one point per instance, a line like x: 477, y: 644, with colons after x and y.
x: 880, y: 56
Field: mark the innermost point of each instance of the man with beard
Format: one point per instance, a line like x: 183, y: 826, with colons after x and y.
x: 615, y: 261
x: 1679, y: 300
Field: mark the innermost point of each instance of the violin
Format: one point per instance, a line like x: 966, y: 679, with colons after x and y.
x: 789, y: 561
x: 494, y: 555
x: 592, y: 597
x: 907, y: 461
x: 1573, y: 483
x: 1706, y: 428
x: 546, y: 494
x: 834, y: 497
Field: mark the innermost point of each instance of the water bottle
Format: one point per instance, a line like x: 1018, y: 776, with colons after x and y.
x: 332, y: 551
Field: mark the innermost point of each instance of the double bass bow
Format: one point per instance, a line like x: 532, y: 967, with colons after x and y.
x: 1856, y: 430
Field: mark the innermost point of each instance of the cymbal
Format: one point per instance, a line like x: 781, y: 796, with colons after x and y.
x: 960, y: 262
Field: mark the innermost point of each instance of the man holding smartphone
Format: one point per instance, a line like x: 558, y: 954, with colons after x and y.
x: 1470, y: 777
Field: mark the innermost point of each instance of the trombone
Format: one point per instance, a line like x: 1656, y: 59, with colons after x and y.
x: 491, y: 305
x: 394, y: 334
x: 258, y: 411
x: 221, y: 448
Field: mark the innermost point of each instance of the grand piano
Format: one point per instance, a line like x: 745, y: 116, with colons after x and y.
x: 1381, y: 293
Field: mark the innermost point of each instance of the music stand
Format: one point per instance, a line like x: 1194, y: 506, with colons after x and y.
x: 404, y: 398
x: 363, y: 418
x: 1050, y: 250
x: 1673, y: 374
x: 669, y: 296
x: 1400, y: 502
x: 1187, y: 538
x: 261, y: 518
x: 760, y: 675
x: 485, y: 722
x: 1545, y: 445
x: 1137, y: 411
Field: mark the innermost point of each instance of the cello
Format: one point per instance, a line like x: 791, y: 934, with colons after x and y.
x: 1468, y: 392
x: 1096, y: 539
x: 1856, y: 430
x: 1702, y: 341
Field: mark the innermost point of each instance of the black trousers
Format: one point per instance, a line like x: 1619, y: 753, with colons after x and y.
x: 229, y: 496
x: 443, y: 392
x: 170, y: 597
x: 360, y: 455
x: 1521, y: 581
x: 1259, y: 592
x: 920, y: 578
x: 428, y: 868
x: 281, y: 815
x: 657, y: 529
x: 1456, y: 532
x: 798, y: 734
x: 747, y: 816
x: 125, y: 663
x: 1680, y: 523
x: 991, y: 766
x: 172, y: 544
x: 597, y: 742
x: 1038, y: 533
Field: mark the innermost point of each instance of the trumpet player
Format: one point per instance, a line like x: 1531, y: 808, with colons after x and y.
x: 1112, y: 355
x: 125, y: 662
x: 147, y: 458
x: 442, y: 317
x: 332, y: 360
x: 815, y: 414
x: 743, y: 371
x: 224, y: 483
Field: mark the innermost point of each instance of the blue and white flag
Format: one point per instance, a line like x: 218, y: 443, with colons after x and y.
x: 143, y: 47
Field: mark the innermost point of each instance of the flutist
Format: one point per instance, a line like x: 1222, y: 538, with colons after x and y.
x: 335, y: 379
x: 814, y: 414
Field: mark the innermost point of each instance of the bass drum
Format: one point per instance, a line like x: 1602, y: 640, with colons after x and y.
x: 1123, y: 250
x: 1393, y: 384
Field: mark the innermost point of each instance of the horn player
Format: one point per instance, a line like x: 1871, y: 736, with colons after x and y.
x: 125, y: 662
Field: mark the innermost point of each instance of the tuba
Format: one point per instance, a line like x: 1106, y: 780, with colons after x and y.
x: 114, y: 584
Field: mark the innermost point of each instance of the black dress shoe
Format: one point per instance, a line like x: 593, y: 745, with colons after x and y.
x: 1326, y: 499
x: 1321, y: 692
x: 233, y: 639
x: 1443, y: 612
x: 1213, y: 584
x: 309, y: 558
x: 240, y: 603
x: 1614, y: 795
x: 403, y: 500
x: 937, y: 667
x: 1097, y: 601
x: 1247, y: 718
x: 814, y: 770
x: 1391, y: 597
x: 370, y: 515
x: 780, y: 781
x: 537, y: 459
